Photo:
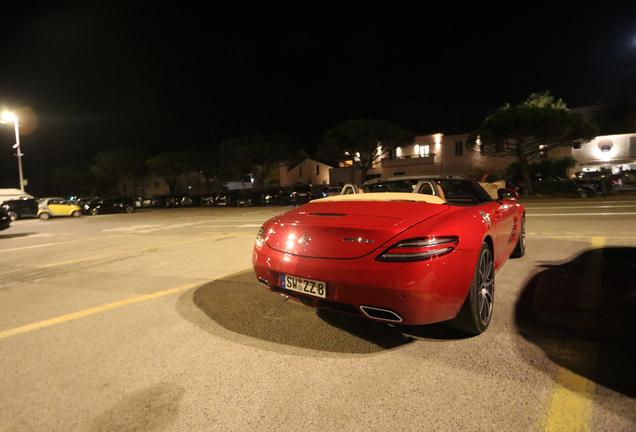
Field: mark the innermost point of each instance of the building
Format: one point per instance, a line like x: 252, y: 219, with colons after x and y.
x: 448, y: 154
x: 615, y: 153
x: 309, y: 171
x: 429, y: 154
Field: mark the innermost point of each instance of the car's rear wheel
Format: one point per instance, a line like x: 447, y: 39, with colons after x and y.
x: 583, y: 193
x: 476, y: 313
x: 76, y: 213
x: 129, y: 209
x: 13, y: 215
x: 520, y: 249
x: 94, y: 211
x: 44, y: 216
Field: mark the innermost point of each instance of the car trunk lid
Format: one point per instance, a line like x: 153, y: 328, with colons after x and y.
x: 340, y: 230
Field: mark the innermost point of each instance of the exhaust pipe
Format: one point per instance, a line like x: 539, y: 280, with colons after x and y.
x: 381, y: 314
x: 263, y: 282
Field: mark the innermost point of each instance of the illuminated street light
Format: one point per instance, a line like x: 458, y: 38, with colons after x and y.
x: 7, y: 117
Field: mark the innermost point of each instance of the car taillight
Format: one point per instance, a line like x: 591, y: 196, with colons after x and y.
x: 419, y: 249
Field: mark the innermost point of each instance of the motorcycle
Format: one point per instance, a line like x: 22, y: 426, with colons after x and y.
x: 586, y: 190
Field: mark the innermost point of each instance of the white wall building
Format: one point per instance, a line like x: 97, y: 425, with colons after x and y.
x: 614, y: 152
x: 308, y: 171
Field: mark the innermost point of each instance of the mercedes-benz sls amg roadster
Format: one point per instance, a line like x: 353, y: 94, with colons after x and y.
x: 414, y: 250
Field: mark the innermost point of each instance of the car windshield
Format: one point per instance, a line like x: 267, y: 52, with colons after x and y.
x: 392, y: 186
x: 460, y: 192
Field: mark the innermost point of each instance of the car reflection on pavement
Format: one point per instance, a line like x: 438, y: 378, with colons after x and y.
x: 591, y: 298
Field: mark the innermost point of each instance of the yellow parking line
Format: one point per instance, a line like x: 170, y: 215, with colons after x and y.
x: 572, y: 401
x: 571, y: 404
x: 598, y: 242
x: 86, y: 312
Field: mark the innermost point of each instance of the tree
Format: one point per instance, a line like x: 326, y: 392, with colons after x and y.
x: 174, y: 165
x: 75, y: 179
x: 121, y: 165
x: 540, y: 123
x: 545, y: 168
x: 366, y: 141
x: 260, y: 153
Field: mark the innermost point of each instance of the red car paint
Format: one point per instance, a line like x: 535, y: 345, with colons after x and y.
x: 339, y: 242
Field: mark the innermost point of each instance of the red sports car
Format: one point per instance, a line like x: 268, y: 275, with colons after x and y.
x: 424, y: 250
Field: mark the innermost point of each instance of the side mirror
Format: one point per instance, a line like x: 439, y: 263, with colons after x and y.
x: 507, y: 194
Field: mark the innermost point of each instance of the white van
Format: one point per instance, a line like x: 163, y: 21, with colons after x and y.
x: 11, y: 194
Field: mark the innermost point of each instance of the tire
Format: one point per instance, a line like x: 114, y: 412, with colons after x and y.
x: 44, y: 215
x: 76, y: 213
x: 129, y: 209
x: 583, y: 193
x: 476, y: 313
x: 13, y: 215
x: 93, y: 211
x: 520, y: 249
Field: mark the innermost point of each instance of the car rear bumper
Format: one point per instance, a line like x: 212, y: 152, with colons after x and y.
x: 410, y: 293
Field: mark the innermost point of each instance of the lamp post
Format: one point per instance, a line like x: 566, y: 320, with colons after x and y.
x: 7, y: 117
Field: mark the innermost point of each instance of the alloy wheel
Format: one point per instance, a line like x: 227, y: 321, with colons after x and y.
x: 486, y: 284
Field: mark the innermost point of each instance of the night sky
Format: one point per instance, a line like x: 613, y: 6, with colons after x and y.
x: 165, y: 76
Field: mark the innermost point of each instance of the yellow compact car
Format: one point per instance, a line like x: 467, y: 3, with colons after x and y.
x: 48, y: 207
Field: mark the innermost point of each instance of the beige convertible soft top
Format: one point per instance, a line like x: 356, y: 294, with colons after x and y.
x: 385, y: 196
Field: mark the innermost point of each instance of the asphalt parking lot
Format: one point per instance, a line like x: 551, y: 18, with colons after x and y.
x: 153, y: 321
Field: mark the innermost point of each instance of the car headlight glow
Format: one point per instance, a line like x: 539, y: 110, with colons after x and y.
x: 260, y: 237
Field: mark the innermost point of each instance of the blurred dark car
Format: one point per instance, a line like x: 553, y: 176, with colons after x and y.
x: 5, y: 219
x: 208, y: 199
x: 331, y: 191
x: 21, y: 208
x: 109, y: 205
x: 144, y: 202
x: 276, y: 197
x: 191, y: 201
x: 302, y: 194
x: 226, y: 199
x: 162, y: 201
x: 248, y: 198
x: 82, y: 201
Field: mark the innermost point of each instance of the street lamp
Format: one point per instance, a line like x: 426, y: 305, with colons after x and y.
x: 7, y: 117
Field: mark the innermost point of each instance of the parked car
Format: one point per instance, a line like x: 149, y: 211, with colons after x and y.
x: 21, y: 208
x: 424, y: 251
x: 582, y: 188
x: 226, y: 199
x: 208, y: 199
x: 248, y: 198
x: 55, y: 206
x: 276, y: 196
x: 302, y: 194
x: 331, y: 191
x: 5, y: 219
x: 191, y: 201
x: 12, y: 194
x: 144, y: 202
x: 109, y: 205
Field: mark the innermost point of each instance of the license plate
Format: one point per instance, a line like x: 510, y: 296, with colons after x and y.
x: 305, y: 286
